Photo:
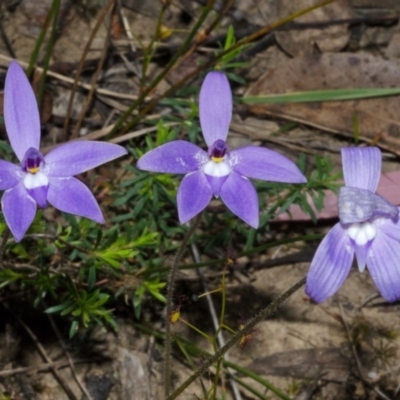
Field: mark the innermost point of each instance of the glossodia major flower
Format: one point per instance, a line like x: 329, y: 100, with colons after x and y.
x: 40, y: 179
x: 220, y: 172
x: 369, y: 228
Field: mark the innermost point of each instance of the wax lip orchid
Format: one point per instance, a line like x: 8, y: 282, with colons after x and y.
x: 220, y: 172
x: 369, y: 228
x: 41, y: 179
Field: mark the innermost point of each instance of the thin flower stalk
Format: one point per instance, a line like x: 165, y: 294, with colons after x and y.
x: 170, y: 304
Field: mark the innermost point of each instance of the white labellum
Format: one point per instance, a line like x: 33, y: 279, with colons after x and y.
x: 216, y: 170
x: 32, y: 181
x: 362, y: 233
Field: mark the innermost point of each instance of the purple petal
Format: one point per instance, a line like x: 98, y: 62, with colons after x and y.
x: 384, y: 266
x: 19, y: 210
x: 260, y: 163
x: 72, y: 196
x: 216, y: 183
x: 37, y: 186
x: 362, y: 167
x: 390, y: 227
x: 177, y: 157
x: 362, y: 253
x: 76, y: 157
x: 10, y: 175
x: 194, y: 194
x: 21, y: 114
x: 215, y: 107
x: 330, y: 266
x: 241, y: 198
x: 39, y: 194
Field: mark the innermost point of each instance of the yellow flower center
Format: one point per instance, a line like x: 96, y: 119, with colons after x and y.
x: 217, y: 159
x: 33, y: 170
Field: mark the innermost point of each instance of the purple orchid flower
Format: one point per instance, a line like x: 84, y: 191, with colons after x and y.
x: 369, y: 228
x: 40, y: 179
x: 220, y: 171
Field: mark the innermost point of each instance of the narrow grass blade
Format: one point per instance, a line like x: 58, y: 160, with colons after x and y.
x: 322, y: 95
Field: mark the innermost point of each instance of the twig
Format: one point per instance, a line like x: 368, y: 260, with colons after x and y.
x: 254, y: 134
x: 208, y: 64
x: 355, y: 355
x: 368, y: 300
x: 69, y: 359
x: 134, y: 67
x: 397, y: 391
x: 99, y: 21
x: 164, y: 72
x: 214, y: 317
x: 127, y: 28
x: 5, y: 61
x: 52, y: 366
x: 264, y: 313
x: 107, y: 129
x: 4, y: 37
x: 221, y: 13
x: 353, y: 347
x: 41, y: 367
x: 116, y: 106
x: 93, y: 83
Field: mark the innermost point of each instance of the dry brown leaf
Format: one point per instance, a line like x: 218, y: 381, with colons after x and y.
x: 149, y: 8
x: 36, y: 12
x: 332, y: 38
x: 257, y: 12
x: 378, y: 118
x: 328, y: 363
x: 393, y: 48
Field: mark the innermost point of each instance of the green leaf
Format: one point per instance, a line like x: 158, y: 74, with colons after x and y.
x: 92, y: 277
x: 321, y: 95
x: 73, y: 329
x: 230, y: 37
x: 55, y: 309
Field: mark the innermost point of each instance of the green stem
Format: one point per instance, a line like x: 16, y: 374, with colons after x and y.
x: 164, y: 72
x: 39, y: 42
x: 183, y: 347
x: 250, y: 388
x: 208, y: 30
x: 258, y: 379
x: 223, y: 303
x: 189, y: 348
x: 149, y: 49
x: 49, y: 50
x: 264, y: 313
x: 199, y: 331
